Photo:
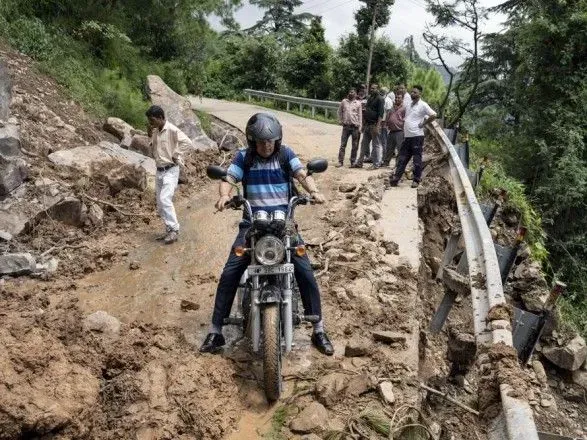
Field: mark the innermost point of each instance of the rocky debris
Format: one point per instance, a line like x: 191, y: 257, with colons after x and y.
x: 70, y: 210
x: 102, y: 322
x: 391, y: 247
x: 313, y: 418
x: 140, y: 144
x: 5, y: 236
x: 5, y: 91
x: 388, y: 337
x: 456, y: 282
x: 95, y: 215
x: 359, y: 385
x: 568, y: 357
x: 227, y: 137
x: 179, y: 112
x: 97, y: 161
x: 188, y: 305
x: 329, y: 389
x: 134, y: 265
x: 19, y: 212
x: 89, y: 158
x: 540, y: 372
x: 462, y: 348
x: 580, y: 378
x: 347, y: 187
x: 9, y: 139
x: 13, y: 172
x: 386, y: 392
x: 357, y: 347
x: 121, y: 129
x: 47, y: 268
x: 17, y: 264
x: 528, y: 276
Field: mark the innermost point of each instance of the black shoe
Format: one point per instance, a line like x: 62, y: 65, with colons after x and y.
x: 393, y: 183
x: 367, y: 160
x: 212, y: 343
x: 322, y: 343
x: 415, y: 184
x: 357, y: 165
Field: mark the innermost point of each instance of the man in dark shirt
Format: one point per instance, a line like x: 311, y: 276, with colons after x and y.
x: 373, y: 116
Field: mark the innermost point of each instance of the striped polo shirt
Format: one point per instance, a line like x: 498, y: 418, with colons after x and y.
x: 267, y: 184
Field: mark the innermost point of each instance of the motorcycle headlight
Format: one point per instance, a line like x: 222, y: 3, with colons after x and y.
x: 269, y: 250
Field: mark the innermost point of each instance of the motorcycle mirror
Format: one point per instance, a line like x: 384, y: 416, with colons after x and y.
x: 317, y: 166
x: 215, y: 172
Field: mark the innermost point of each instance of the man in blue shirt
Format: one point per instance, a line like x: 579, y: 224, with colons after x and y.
x: 265, y: 169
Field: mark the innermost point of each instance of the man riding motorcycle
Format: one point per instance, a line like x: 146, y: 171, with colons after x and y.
x: 265, y: 169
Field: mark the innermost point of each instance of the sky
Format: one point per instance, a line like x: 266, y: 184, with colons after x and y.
x: 408, y: 17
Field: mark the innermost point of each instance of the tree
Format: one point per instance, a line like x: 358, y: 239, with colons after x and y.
x: 280, y: 20
x: 467, y: 15
x: 432, y: 82
x: 380, y: 9
x: 307, y: 66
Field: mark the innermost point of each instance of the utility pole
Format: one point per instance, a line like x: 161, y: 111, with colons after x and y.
x: 371, y: 44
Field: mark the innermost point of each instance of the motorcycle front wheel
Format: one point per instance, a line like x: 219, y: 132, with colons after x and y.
x: 272, y: 351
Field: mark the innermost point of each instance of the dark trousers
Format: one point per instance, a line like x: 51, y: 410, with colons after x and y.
x: 411, y: 147
x: 236, y: 266
x: 348, y: 131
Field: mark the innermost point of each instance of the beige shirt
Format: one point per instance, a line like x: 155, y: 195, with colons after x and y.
x: 169, y: 144
x: 350, y: 112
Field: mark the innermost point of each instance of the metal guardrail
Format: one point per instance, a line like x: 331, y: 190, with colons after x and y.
x: 515, y: 421
x: 301, y: 102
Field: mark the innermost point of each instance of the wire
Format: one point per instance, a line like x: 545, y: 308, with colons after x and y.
x: 334, y: 7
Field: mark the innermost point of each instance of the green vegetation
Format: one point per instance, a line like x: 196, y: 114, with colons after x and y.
x: 277, y: 422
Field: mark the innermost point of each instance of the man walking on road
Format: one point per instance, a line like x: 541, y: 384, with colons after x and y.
x: 350, y: 116
x: 418, y: 114
x: 395, y: 125
x: 168, y: 143
x: 373, y: 116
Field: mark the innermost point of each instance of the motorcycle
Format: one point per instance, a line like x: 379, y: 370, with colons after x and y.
x: 267, y: 297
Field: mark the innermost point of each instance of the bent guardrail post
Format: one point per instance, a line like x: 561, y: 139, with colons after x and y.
x: 515, y: 421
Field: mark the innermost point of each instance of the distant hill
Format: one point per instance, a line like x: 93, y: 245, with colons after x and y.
x: 444, y: 73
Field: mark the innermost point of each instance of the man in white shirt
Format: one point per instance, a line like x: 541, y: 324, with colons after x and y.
x: 168, y: 144
x: 418, y: 113
x: 400, y: 89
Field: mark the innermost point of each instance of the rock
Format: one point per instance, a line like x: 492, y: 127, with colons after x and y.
x: 179, y: 112
x: 390, y: 337
x: 534, y: 300
x: 134, y: 265
x: 574, y: 393
x: 5, y: 91
x: 329, y: 389
x: 348, y: 256
x: 570, y: 357
x: 95, y: 214
x: 347, y: 187
x: 19, y: 213
x: 13, y: 172
x: 456, y: 282
x: 188, y: 305
x: 227, y: 139
x: 358, y: 385
x: 386, y: 392
x: 102, y: 322
x: 47, y: 186
x: 118, y: 128
x: 540, y: 372
x: 48, y: 267
x: 333, y: 253
x: 126, y: 176
x: 5, y: 236
x: 97, y: 161
x: 9, y: 140
x: 461, y: 348
x: 580, y: 378
x: 70, y: 210
x: 391, y: 247
x: 313, y: 418
x: 357, y: 347
x: 17, y: 264
x: 141, y: 144
x: 374, y: 210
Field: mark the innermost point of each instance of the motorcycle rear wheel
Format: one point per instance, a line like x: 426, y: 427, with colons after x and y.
x: 272, y: 352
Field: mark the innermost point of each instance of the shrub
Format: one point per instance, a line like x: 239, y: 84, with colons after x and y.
x: 30, y: 36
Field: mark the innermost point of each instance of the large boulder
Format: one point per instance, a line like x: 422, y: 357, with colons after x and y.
x: 117, y: 128
x: 568, y: 357
x: 178, y: 111
x: 9, y: 139
x: 13, y: 172
x: 5, y: 91
x: 313, y: 418
x: 24, y: 207
x: 100, y: 161
x: 140, y: 144
x: 17, y: 264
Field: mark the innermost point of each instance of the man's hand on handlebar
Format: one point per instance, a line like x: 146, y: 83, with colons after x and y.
x: 318, y: 197
x: 222, y: 201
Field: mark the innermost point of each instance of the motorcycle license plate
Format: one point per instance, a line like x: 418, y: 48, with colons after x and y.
x: 279, y: 269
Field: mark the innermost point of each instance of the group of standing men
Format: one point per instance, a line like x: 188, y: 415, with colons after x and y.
x: 389, y: 122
